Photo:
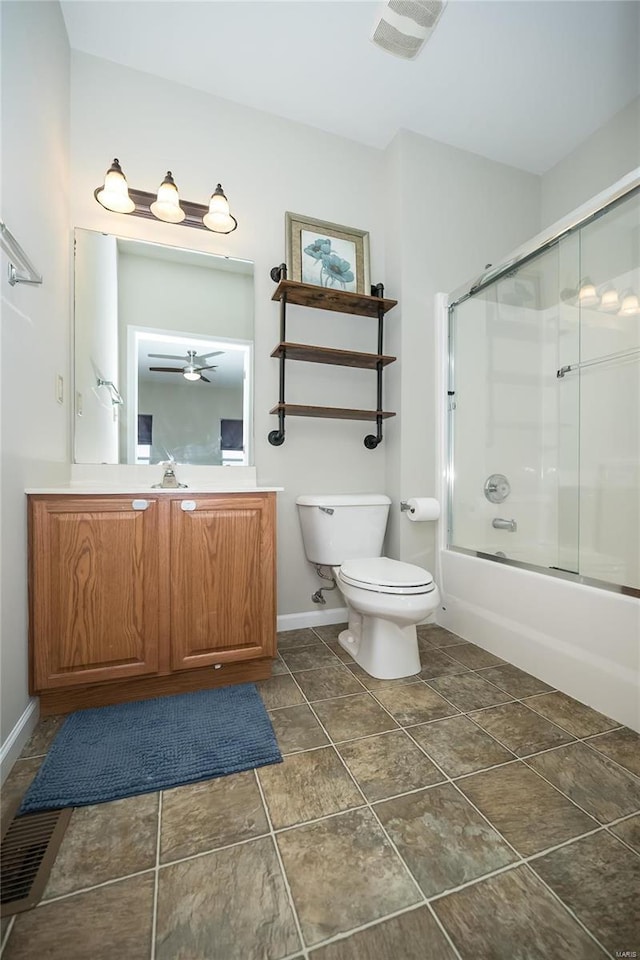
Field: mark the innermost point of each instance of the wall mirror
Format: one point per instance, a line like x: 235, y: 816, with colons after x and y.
x: 163, y: 343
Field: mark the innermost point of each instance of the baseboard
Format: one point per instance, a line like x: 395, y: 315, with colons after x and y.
x: 12, y: 747
x: 311, y: 618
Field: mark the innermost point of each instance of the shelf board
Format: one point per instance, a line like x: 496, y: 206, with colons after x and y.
x: 334, y: 413
x: 340, y: 358
x: 328, y: 298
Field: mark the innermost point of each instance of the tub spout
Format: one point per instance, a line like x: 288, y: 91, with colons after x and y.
x: 501, y: 524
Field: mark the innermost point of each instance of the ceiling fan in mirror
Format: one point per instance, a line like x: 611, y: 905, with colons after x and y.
x: 196, y: 363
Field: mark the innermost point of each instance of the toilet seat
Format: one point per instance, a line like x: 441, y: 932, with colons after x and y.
x: 383, y: 575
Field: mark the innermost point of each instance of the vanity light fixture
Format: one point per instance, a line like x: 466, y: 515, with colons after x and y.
x: 167, y: 206
x: 609, y: 300
x: 630, y: 305
x: 587, y: 294
x: 117, y: 196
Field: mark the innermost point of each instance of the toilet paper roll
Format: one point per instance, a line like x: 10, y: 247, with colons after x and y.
x: 423, y: 508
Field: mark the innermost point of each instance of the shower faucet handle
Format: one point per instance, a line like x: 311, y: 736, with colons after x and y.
x: 497, y: 488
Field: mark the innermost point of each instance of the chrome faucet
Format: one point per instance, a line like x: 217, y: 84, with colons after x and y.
x: 501, y: 524
x: 169, y: 480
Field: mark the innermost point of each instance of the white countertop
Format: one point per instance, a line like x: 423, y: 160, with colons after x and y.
x: 125, y: 479
x: 96, y: 489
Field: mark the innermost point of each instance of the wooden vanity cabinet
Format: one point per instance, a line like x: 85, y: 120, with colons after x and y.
x: 132, y: 597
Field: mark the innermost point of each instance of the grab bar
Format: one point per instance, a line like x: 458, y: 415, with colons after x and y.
x: 609, y: 358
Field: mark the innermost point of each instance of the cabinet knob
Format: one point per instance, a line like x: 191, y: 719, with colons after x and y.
x: 139, y: 504
x: 188, y: 505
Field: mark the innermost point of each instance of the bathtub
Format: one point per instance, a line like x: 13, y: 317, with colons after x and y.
x: 581, y: 639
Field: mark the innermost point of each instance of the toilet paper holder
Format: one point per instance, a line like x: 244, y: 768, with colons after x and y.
x: 404, y: 506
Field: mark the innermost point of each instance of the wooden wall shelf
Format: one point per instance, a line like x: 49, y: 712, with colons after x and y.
x: 331, y: 413
x: 341, y: 358
x: 328, y: 298
x: 339, y: 301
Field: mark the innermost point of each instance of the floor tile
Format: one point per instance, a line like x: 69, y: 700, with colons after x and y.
x: 330, y: 631
x: 629, y: 831
x: 459, y: 746
x: 343, y: 873
x: 296, y: 639
x: 279, y: 691
x: 513, y: 917
x: 18, y: 779
x: 570, y: 714
x: 411, y: 936
x: 623, y: 746
x: 105, y: 841
x: 339, y: 651
x: 297, y: 729
x: 437, y: 636
x: 473, y: 656
x: 349, y: 717
x: 328, y: 682
x: 308, y: 786
x: 214, y: 813
x: 527, y: 811
x: 599, y: 879
x: 593, y: 782
x: 520, y: 729
x: 388, y: 764
x: 112, y: 921
x: 438, y: 663
x: 468, y: 691
x: 42, y: 737
x: 227, y: 905
x: 515, y: 681
x: 308, y: 658
x: 442, y: 839
x: 414, y: 703
x: 278, y: 667
x: 373, y: 684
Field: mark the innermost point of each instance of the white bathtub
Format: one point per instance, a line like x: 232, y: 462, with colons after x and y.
x: 583, y: 640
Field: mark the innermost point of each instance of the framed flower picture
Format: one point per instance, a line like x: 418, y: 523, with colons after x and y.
x: 327, y: 254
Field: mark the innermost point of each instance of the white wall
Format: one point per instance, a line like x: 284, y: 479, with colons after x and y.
x: 453, y: 212
x: 35, y: 320
x: 602, y: 159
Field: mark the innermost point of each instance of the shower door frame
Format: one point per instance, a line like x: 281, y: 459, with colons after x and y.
x: 620, y: 191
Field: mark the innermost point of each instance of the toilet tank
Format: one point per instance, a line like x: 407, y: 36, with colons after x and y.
x: 336, y: 527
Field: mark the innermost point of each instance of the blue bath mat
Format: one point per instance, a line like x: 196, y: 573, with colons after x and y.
x: 130, y: 748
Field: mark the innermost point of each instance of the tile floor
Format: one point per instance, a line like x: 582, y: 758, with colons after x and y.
x: 467, y: 812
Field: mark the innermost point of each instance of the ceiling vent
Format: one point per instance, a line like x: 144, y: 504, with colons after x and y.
x: 405, y: 25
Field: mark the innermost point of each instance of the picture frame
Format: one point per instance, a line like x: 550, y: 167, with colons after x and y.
x: 327, y: 254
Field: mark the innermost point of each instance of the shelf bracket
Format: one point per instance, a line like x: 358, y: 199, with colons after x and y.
x: 371, y: 441
x: 276, y: 437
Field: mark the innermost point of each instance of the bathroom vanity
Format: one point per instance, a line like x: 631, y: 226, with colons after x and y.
x: 135, y: 595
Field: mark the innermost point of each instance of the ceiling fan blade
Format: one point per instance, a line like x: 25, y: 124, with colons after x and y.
x: 167, y: 369
x: 167, y: 356
x: 214, y: 367
x: 215, y: 353
x: 205, y: 379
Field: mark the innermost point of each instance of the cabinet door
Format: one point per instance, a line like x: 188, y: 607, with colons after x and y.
x: 222, y: 580
x: 94, y: 577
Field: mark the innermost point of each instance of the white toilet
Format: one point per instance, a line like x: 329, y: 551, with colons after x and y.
x: 385, y: 598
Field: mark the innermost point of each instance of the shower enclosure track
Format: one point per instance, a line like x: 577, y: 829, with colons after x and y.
x: 609, y: 358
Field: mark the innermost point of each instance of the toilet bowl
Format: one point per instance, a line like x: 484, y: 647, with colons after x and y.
x: 385, y: 600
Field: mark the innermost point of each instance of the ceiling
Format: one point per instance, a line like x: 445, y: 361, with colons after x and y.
x: 522, y: 82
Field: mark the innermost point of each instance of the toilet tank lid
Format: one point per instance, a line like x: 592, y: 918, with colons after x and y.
x: 343, y: 500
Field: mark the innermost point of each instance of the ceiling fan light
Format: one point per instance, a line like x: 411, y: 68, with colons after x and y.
x: 115, y: 193
x: 630, y: 305
x: 191, y: 374
x: 167, y: 206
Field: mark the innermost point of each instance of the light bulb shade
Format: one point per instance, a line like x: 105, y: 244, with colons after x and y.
x: 115, y: 193
x: 190, y: 374
x: 218, y: 218
x: 630, y: 305
x: 167, y: 206
x: 587, y: 294
x: 609, y: 300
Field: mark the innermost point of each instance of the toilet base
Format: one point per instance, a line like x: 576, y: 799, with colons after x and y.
x: 384, y: 649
